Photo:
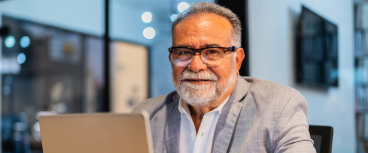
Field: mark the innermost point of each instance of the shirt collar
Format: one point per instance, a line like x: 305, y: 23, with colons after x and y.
x: 184, y: 109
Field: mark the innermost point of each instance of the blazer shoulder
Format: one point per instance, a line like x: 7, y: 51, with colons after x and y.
x: 267, y: 93
x: 154, y: 104
x: 269, y: 87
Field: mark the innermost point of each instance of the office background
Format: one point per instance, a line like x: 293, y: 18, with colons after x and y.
x: 271, y: 42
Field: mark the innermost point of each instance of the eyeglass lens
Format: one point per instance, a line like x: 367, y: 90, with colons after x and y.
x: 182, y: 57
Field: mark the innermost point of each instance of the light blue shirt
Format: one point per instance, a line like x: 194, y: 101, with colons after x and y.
x: 190, y: 142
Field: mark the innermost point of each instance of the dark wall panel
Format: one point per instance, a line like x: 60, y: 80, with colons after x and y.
x: 239, y: 7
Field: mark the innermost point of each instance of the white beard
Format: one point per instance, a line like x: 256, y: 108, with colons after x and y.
x: 204, y: 94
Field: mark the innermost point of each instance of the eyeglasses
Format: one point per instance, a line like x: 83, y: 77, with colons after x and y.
x: 211, y: 56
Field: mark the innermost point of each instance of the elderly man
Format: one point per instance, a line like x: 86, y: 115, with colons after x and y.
x: 214, y: 109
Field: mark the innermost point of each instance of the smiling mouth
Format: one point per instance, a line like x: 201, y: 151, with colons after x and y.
x: 196, y: 80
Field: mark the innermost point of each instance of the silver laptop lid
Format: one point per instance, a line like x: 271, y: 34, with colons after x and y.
x: 96, y: 133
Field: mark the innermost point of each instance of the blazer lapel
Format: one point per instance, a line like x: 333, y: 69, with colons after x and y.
x: 172, y: 131
x: 229, y: 117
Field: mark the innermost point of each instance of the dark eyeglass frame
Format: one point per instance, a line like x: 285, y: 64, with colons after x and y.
x: 225, y: 49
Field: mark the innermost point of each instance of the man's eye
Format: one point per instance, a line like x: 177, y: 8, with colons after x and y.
x: 184, y: 52
x: 212, y: 52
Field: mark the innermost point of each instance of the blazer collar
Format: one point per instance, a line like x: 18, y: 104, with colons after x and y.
x: 229, y: 118
x: 172, y: 128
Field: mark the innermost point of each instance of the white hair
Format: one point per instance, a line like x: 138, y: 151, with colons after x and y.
x: 205, y: 7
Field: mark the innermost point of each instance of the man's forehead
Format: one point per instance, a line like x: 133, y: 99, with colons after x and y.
x: 202, y: 30
x: 202, y: 21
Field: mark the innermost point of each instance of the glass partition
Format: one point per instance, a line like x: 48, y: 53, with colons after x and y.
x: 46, y: 70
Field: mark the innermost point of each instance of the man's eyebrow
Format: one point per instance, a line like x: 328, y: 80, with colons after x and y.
x: 207, y: 45
x: 182, y: 46
x: 211, y: 45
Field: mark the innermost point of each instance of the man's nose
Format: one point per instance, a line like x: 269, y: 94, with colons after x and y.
x: 197, y: 65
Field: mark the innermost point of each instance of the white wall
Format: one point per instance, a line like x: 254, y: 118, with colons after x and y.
x: 66, y: 14
x: 271, y: 45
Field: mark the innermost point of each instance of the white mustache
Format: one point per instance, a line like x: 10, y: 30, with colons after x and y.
x: 201, y: 75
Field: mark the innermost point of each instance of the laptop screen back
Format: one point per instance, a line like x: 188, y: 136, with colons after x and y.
x: 95, y: 133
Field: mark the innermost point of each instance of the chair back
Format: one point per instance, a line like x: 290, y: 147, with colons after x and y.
x: 322, y: 137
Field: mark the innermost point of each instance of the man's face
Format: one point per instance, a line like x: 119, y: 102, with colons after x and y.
x: 198, y: 84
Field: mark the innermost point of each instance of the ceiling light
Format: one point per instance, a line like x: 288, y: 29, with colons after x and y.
x: 25, y: 41
x: 149, y: 33
x: 183, y: 6
x: 9, y: 41
x: 173, y: 17
x: 21, y: 58
x: 147, y: 17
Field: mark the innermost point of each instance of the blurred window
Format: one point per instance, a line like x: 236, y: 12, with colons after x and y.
x: 46, y: 70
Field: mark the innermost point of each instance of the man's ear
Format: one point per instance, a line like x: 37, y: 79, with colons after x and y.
x: 170, y: 57
x: 239, y: 58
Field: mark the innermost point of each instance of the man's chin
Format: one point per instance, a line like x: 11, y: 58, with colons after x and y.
x: 198, y: 82
x: 197, y: 97
x: 196, y: 101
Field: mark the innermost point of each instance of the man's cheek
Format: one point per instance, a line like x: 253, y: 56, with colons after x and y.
x: 178, y: 71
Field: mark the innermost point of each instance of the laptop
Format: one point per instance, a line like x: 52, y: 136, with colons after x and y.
x: 96, y: 133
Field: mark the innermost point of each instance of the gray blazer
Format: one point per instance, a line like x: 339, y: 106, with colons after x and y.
x: 260, y: 116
